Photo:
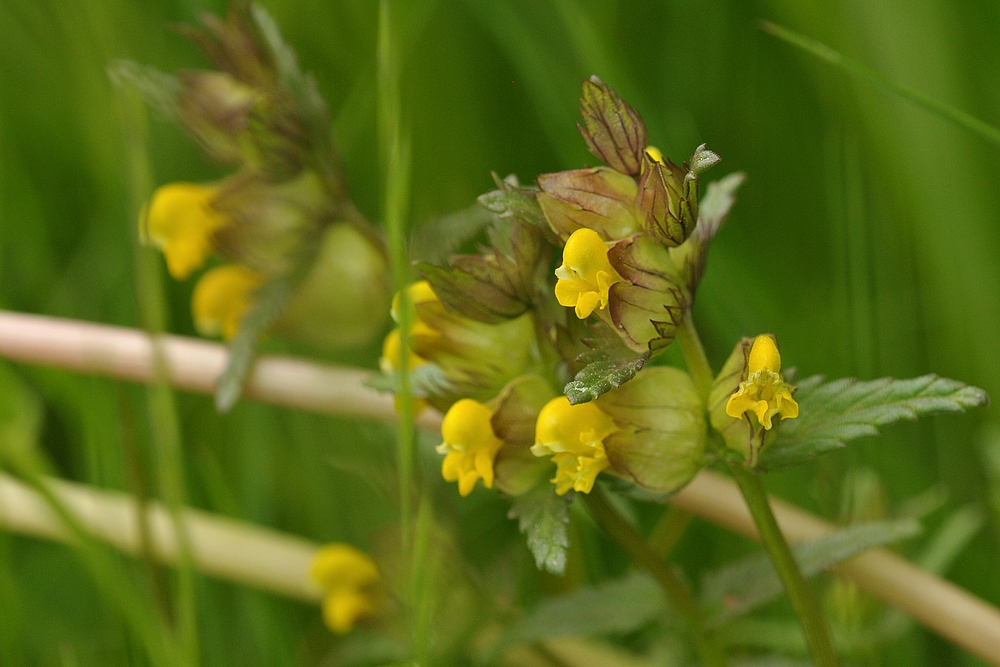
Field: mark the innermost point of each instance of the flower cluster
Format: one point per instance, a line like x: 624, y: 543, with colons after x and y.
x: 283, y: 214
x: 489, y: 346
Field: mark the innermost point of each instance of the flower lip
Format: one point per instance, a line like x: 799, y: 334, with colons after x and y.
x: 573, y: 435
x: 586, y: 275
x: 469, y: 445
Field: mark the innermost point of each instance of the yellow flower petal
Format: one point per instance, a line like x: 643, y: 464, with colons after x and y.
x: 585, y: 275
x: 221, y: 298
x: 764, y: 356
x: 180, y: 221
x: 573, y: 435
x: 469, y: 445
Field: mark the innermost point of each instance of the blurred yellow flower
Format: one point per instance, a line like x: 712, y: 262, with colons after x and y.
x: 180, y: 221
x: 348, y: 577
x: 586, y: 275
x: 573, y: 435
x: 763, y: 392
x: 222, y: 297
x: 470, y: 446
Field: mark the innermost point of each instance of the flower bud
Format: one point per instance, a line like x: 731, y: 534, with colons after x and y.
x: 748, y: 393
x: 613, y: 130
x: 601, y: 199
x: 214, y: 108
x: 221, y: 298
x: 181, y: 219
x: 348, y: 578
x: 660, y: 437
x: 344, y: 300
x: 666, y: 213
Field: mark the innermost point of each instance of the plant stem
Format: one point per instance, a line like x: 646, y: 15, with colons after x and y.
x: 694, y: 355
x: 801, y: 596
x: 632, y: 542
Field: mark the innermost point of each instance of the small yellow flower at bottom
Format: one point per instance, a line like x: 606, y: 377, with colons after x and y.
x: 347, y: 577
x: 180, y: 221
x: 470, y: 446
x: 573, y: 435
x: 763, y: 392
x: 221, y: 298
x: 585, y: 275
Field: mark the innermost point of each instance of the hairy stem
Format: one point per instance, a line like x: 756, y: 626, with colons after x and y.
x: 801, y: 596
x: 632, y: 542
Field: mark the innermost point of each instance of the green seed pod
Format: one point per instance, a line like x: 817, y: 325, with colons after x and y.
x: 661, y: 437
x: 344, y: 301
x: 601, y: 199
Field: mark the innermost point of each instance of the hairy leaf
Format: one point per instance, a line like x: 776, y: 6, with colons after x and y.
x: 437, y: 238
x: 542, y: 517
x: 608, y: 364
x: 616, y: 607
x: 834, y: 413
x: 742, y: 587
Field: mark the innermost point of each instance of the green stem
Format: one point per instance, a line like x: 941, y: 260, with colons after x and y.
x: 632, y: 542
x: 694, y: 355
x: 801, y: 596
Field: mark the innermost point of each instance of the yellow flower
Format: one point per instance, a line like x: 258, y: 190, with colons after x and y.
x: 654, y: 154
x: 763, y: 392
x: 573, y: 435
x: 392, y: 352
x: 586, y: 275
x: 392, y: 355
x: 470, y: 446
x: 348, y: 577
x: 221, y: 299
x: 180, y: 221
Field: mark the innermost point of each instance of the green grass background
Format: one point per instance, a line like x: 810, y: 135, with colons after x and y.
x: 867, y: 237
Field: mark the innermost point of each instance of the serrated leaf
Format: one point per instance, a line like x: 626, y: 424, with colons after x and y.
x: 834, y: 413
x: 612, y: 607
x: 510, y: 200
x: 437, y: 238
x: 543, y: 516
x: 270, y: 301
x: 743, y: 586
x: 158, y: 89
x: 499, y: 283
x: 607, y: 364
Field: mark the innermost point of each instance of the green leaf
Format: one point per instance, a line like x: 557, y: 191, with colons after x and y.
x: 742, y: 587
x: 613, y: 130
x: 607, y: 365
x: 612, y: 607
x: 542, y: 517
x: 510, y: 200
x: 437, y: 238
x: 499, y: 283
x: 834, y: 413
x: 270, y: 302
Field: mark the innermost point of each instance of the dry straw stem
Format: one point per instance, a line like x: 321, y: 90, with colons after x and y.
x: 194, y: 365
x: 224, y: 548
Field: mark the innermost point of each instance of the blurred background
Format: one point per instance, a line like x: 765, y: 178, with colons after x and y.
x: 866, y: 238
